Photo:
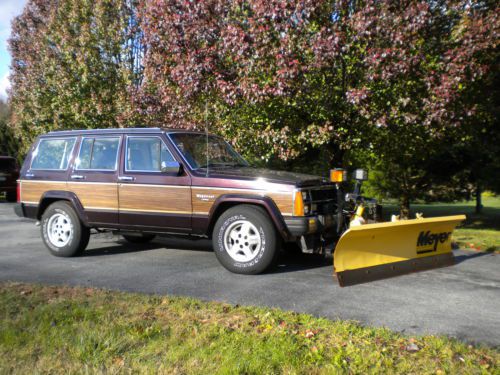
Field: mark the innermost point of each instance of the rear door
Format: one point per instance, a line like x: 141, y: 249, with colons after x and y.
x: 93, y: 178
x: 149, y: 197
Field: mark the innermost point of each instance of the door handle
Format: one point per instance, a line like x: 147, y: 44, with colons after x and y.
x: 126, y: 178
x: 77, y: 177
x: 29, y: 175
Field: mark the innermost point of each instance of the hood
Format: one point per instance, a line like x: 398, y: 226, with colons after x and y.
x: 270, y: 175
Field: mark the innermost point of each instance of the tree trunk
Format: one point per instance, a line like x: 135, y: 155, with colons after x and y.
x: 404, y: 208
x: 336, y: 155
x: 479, y: 205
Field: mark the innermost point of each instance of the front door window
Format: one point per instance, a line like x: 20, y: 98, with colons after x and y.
x: 146, y: 154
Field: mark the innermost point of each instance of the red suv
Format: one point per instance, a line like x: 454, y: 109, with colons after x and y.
x: 9, y: 173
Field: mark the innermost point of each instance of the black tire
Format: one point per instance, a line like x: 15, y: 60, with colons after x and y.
x: 78, y: 238
x: 264, y: 255
x: 11, y: 196
x: 143, y: 238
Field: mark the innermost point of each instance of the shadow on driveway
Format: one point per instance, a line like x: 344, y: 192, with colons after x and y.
x: 121, y: 247
x: 465, y: 257
x: 289, y: 261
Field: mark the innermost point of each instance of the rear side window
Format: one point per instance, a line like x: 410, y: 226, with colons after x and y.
x: 147, y: 154
x: 98, y: 154
x: 53, y: 154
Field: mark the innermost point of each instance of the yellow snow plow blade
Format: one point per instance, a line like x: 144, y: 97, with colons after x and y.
x: 376, y: 251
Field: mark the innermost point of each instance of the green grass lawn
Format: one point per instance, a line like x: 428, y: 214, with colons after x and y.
x: 82, y: 330
x: 479, y: 232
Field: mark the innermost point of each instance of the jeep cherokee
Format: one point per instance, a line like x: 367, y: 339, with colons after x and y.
x: 147, y: 181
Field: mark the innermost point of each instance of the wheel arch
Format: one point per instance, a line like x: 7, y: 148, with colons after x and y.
x: 52, y: 196
x: 227, y: 201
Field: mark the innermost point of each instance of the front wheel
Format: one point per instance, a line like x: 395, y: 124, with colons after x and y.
x: 62, y: 232
x: 245, y: 240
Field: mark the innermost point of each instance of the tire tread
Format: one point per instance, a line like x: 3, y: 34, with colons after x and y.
x: 263, y: 220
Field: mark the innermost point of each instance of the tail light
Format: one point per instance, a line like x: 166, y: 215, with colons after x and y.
x: 18, y: 191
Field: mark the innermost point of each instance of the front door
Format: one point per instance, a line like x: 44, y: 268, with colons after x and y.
x: 94, y: 178
x: 152, y: 198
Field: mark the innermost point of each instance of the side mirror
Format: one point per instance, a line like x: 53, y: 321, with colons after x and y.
x: 172, y: 167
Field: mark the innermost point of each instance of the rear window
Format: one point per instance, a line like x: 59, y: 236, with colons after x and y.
x: 53, y: 154
x: 98, y: 154
x: 7, y: 164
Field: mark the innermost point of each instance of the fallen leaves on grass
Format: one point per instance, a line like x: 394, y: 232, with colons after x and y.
x: 412, y: 348
x: 309, y: 333
x: 119, y: 361
x: 154, y: 332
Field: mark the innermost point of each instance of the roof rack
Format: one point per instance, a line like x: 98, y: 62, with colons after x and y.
x: 75, y: 132
x: 105, y: 130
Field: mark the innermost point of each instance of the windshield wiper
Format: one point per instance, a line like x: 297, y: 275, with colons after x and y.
x: 222, y: 165
x: 212, y: 165
x: 239, y: 165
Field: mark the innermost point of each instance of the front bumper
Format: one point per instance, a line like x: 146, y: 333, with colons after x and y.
x: 304, y: 225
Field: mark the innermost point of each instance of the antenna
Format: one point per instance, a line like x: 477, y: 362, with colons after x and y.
x: 206, y: 134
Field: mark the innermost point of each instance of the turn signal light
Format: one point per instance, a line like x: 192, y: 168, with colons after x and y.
x: 338, y: 175
x: 298, y: 204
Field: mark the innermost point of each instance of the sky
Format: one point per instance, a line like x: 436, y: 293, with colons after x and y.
x: 8, y: 10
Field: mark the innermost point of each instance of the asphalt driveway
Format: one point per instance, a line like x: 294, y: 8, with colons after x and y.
x: 462, y: 301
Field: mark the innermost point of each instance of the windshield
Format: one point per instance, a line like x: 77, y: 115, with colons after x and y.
x: 194, y: 148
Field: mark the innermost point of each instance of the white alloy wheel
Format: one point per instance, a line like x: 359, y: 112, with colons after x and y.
x: 245, y: 240
x: 242, y: 241
x: 60, y: 229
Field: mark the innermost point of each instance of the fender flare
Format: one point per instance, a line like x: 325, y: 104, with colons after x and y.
x: 52, y: 195
x: 263, y: 201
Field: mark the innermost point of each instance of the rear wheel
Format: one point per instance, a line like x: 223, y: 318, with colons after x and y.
x: 142, y: 238
x: 11, y: 196
x: 245, y: 240
x: 62, y: 232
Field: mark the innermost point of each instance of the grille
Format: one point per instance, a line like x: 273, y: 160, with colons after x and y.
x: 324, y: 201
x: 319, y: 195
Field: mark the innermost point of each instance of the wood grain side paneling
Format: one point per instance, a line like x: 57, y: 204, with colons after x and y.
x: 169, y: 199
x: 32, y: 191
x: 203, y: 199
x: 147, y: 198
x: 96, y: 195
x: 284, y: 201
